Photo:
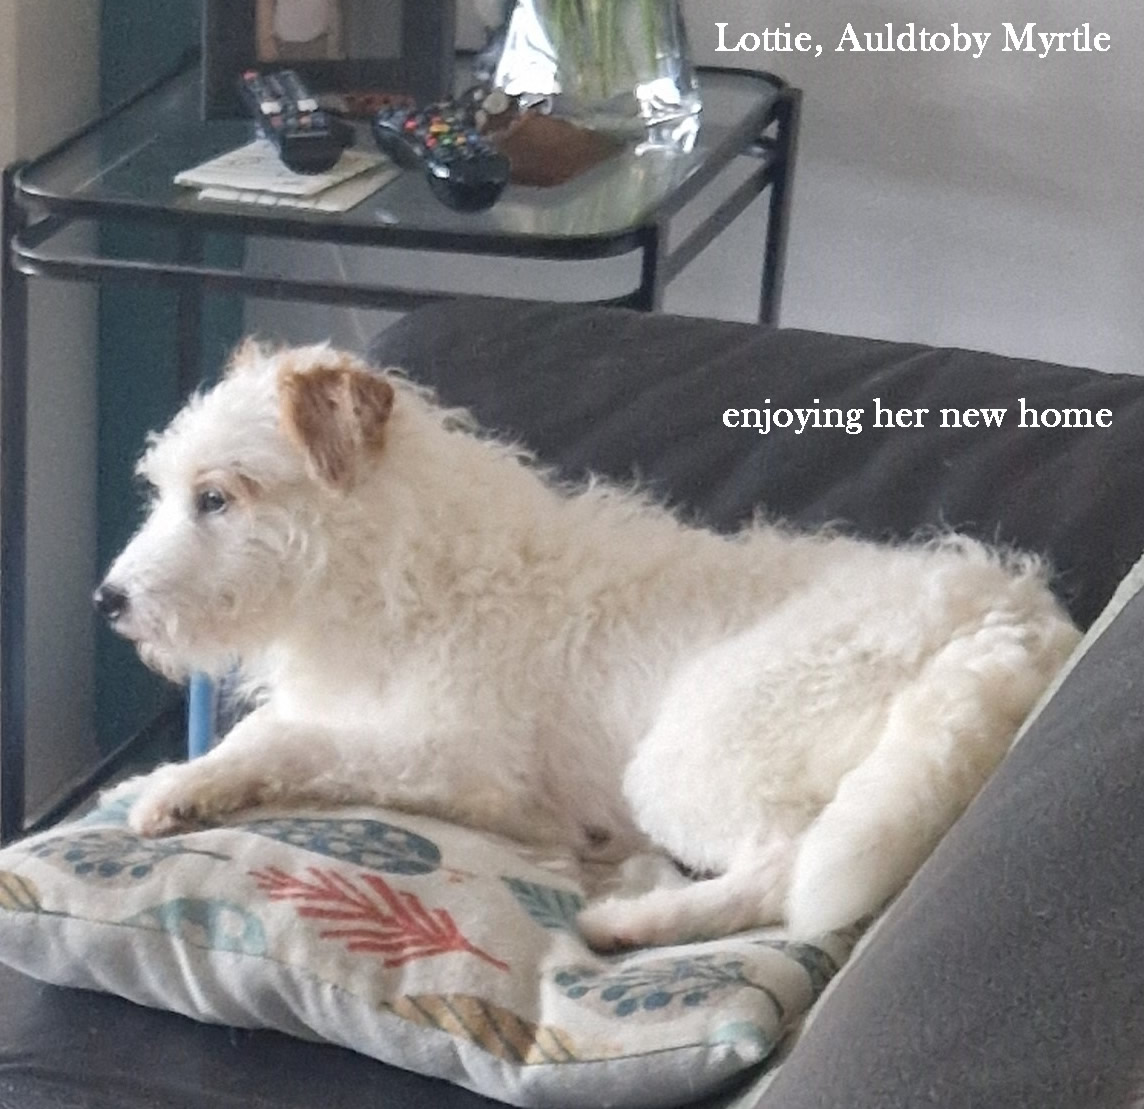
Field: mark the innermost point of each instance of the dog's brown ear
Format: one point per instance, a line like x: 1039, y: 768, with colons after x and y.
x: 337, y: 415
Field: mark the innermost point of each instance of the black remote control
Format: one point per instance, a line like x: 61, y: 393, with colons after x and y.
x: 309, y: 139
x: 465, y: 172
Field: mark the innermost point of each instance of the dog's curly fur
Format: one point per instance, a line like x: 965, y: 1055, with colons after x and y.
x: 439, y: 627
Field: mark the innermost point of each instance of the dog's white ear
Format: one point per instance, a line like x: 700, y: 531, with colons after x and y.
x: 337, y: 415
x: 248, y: 354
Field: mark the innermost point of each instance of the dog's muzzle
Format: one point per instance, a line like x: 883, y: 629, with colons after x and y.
x: 111, y: 602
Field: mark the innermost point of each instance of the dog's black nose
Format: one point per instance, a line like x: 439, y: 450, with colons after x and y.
x: 111, y: 602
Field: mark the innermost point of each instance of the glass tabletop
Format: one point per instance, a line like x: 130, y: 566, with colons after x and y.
x: 125, y: 165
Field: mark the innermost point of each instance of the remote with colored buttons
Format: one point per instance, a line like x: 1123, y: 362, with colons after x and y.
x: 309, y: 139
x: 465, y: 172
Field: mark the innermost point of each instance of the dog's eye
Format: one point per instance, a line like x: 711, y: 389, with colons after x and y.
x: 210, y: 501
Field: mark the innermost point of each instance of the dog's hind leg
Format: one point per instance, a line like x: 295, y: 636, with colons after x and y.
x: 945, y: 733
x: 749, y: 894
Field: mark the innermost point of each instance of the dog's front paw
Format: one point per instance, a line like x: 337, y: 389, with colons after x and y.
x: 608, y: 926
x: 159, y: 816
x: 176, y: 799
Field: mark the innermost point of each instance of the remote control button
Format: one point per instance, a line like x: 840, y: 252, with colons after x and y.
x: 308, y: 140
x: 463, y: 171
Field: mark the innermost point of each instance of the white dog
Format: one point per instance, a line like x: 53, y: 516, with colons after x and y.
x: 439, y: 628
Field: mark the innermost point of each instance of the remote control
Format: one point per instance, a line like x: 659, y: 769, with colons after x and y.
x: 309, y: 139
x: 464, y: 171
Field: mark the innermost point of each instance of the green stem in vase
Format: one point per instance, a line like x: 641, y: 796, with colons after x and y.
x: 651, y: 13
x: 590, y: 41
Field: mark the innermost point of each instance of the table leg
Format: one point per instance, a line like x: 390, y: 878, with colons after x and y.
x: 13, y: 519
x: 778, y: 211
x: 649, y: 296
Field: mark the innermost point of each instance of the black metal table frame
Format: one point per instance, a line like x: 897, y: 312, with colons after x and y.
x: 30, y: 219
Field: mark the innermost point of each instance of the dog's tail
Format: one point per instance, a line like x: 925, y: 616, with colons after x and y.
x: 944, y: 736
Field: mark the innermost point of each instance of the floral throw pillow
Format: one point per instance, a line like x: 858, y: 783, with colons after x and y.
x: 424, y: 945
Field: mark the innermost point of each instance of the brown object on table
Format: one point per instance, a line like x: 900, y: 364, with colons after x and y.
x: 545, y: 151
x: 366, y: 103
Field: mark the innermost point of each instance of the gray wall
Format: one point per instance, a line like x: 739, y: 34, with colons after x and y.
x: 49, y: 73
x: 993, y: 204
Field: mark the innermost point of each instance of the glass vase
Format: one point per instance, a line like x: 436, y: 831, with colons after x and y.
x: 622, y: 66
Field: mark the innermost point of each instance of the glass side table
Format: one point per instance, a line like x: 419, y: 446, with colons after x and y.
x: 120, y: 168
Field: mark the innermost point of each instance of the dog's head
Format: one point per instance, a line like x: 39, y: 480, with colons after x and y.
x: 245, y: 484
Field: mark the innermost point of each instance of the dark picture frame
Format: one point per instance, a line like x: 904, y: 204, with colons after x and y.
x: 420, y: 67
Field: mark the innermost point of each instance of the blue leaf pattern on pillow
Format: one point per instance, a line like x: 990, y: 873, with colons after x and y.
x: 367, y: 843
x: 660, y: 983
x: 744, y: 1035
x: 549, y: 907
x: 113, y: 854
x: 109, y: 812
x: 217, y: 925
x: 819, y: 966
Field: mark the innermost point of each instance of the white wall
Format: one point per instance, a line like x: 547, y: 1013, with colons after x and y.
x: 49, y: 73
x: 7, y: 75
x: 993, y: 204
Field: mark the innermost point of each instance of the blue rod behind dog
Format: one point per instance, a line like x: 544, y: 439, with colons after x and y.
x: 202, y: 710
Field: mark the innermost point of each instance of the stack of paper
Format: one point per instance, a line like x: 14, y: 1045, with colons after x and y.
x: 254, y: 174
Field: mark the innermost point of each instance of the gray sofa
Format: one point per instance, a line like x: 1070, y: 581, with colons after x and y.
x: 1008, y: 974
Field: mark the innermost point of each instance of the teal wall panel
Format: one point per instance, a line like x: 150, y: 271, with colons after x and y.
x: 138, y: 390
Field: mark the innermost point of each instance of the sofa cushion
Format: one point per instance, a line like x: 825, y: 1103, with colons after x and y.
x: 424, y: 945
x: 629, y: 395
